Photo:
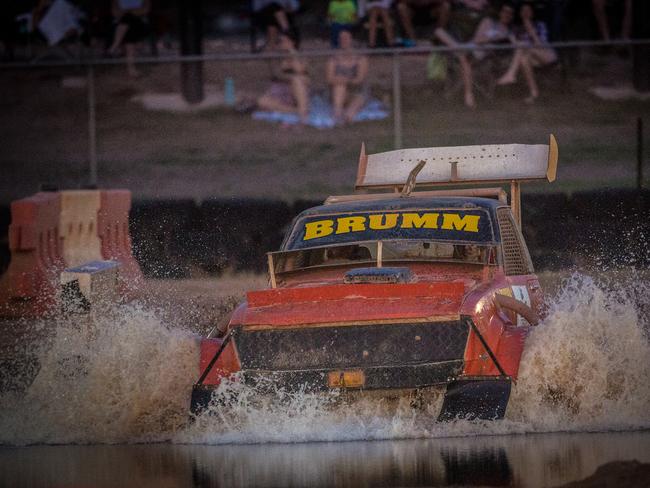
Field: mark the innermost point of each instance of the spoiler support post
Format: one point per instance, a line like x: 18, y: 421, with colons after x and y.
x: 515, y: 201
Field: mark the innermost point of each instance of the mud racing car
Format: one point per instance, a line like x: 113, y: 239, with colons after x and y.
x: 398, y: 290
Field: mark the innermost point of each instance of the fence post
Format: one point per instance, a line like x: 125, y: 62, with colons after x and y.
x: 92, y: 129
x: 639, y: 153
x: 397, y: 102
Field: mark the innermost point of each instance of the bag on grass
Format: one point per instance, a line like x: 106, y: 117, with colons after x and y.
x: 437, y: 67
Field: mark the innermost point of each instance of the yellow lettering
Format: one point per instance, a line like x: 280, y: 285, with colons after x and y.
x: 427, y: 220
x: 319, y: 228
x: 350, y: 224
x: 468, y: 223
x: 383, y: 221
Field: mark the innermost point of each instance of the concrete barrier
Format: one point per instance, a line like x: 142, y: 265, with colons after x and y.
x: 50, y: 231
x: 30, y: 285
x: 78, y: 226
x: 91, y: 285
x: 113, y: 232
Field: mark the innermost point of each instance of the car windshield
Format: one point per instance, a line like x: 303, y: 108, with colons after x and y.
x: 375, y: 253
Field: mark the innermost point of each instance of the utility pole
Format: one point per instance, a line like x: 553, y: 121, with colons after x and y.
x: 641, y: 52
x: 191, y: 33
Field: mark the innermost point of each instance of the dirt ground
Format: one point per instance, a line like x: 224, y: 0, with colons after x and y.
x: 224, y: 153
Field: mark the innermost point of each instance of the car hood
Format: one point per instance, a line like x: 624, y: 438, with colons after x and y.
x: 353, y: 303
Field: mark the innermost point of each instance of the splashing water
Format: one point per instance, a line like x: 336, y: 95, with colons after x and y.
x: 128, y: 378
x: 587, y: 366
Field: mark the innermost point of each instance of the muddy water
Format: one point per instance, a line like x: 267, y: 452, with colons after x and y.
x: 536, y: 460
x: 127, y: 380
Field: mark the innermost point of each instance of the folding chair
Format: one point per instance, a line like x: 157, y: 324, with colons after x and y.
x: 61, y: 23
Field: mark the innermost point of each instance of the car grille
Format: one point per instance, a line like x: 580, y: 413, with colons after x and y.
x: 350, y: 346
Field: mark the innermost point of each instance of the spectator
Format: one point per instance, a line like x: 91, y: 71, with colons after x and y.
x: 489, y: 31
x: 342, y: 15
x: 275, y: 17
x: 603, y: 24
x: 425, y: 10
x: 290, y: 92
x: 132, y: 24
x: 379, y: 9
x: 345, y: 70
x: 532, y: 33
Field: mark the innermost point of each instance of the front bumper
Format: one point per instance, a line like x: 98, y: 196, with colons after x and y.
x: 478, y: 398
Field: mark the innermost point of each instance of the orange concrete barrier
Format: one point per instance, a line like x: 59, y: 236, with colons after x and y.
x: 113, y: 231
x: 78, y: 226
x: 50, y: 232
x: 29, y: 288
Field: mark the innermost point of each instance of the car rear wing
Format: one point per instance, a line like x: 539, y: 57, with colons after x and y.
x: 461, y: 165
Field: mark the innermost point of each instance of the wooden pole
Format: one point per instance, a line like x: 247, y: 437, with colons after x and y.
x: 397, y: 102
x: 92, y: 129
x: 639, y: 153
x: 191, y: 34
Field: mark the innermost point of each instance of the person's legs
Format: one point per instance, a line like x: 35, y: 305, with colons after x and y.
x: 282, y: 20
x: 272, y: 37
x: 120, y: 33
x: 468, y: 80
x: 446, y: 38
x: 626, y: 28
x: 541, y: 56
x: 465, y: 65
x: 300, y: 91
x: 388, y: 26
x: 405, y: 16
x: 272, y: 104
x: 354, y: 106
x: 335, y: 30
x: 339, y: 93
x: 372, y: 26
x: 510, y: 76
x: 601, y: 18
x: 530, y: 78
x: 442, y: 12
x: 130, y: 60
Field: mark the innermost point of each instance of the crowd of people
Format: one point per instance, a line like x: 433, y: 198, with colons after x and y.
x: 465, y: 25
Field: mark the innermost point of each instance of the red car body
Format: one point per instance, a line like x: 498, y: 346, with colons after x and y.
x: 389, y: 295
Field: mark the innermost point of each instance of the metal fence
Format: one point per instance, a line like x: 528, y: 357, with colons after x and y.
x: 397, y: 55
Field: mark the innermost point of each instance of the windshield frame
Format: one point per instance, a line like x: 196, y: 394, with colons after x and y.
x: 379, y: 260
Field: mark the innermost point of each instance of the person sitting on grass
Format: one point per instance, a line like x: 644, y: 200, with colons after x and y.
x: 342, y: 15
x: 532, y: 33
x: 131, y: 27
x: 344, y: 70
x: 290, y: 92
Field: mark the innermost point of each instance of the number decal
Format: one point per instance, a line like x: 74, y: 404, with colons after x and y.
x: 521, y: 293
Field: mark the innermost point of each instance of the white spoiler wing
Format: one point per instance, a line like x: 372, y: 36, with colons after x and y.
x: 459, y: 165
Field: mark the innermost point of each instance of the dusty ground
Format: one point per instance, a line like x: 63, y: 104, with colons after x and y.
x: 222, y: 152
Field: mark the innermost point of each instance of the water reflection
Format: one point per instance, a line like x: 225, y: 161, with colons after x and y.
x: 530, y: 461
